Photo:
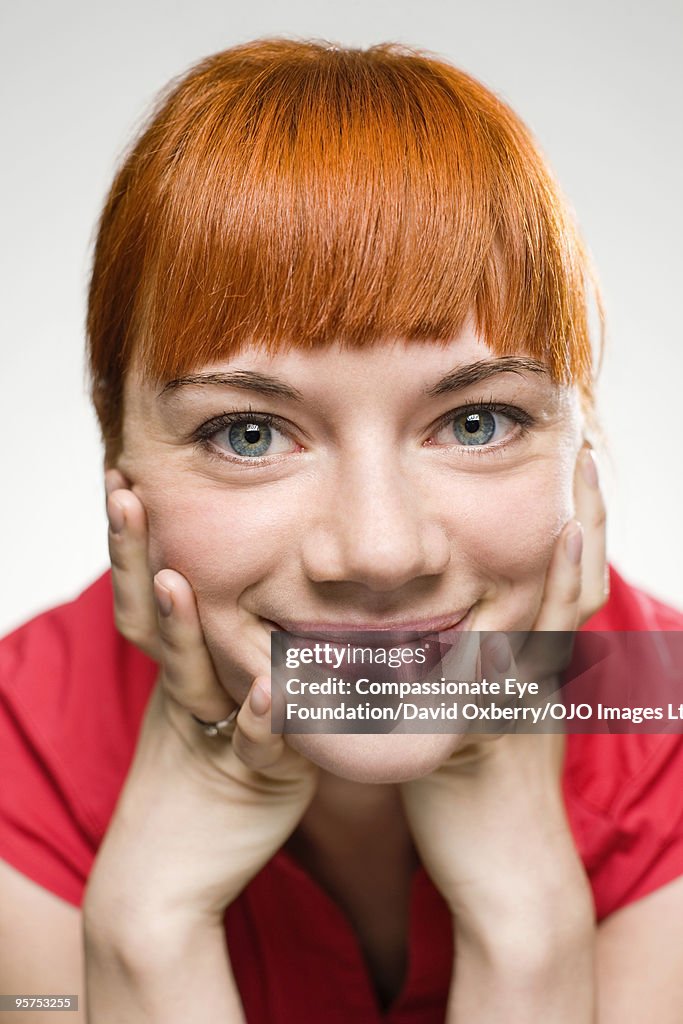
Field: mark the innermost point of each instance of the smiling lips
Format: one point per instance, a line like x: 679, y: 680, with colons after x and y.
x: 406, y: 631
x: 324, y: 648
x: 445, y: 632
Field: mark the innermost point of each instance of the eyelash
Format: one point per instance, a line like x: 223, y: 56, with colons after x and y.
x: 201, y: 437
x: 525, y: 422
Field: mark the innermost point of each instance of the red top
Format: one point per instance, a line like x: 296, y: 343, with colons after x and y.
x: 72, y: 695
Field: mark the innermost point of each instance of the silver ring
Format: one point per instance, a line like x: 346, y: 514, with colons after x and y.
x: 225, y: 727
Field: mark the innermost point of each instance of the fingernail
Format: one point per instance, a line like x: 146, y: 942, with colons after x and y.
x: 164, y: 598
x: 117, y: 516
x: 589, y: 468
x: 575, y: 544
x: 259, y: 700
x: 498, y: 650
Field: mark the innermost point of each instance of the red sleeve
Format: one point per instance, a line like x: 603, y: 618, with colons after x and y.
x: 651, y: 808
x: 625, y: 802
x: 624, y: 791
x: 45, y: 831
x: 72, y: 693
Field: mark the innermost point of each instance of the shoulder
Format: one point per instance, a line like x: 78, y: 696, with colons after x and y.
x: 623, y: 789
x: 70, y: 679
x: 632, y: 608
x: 72, y: 696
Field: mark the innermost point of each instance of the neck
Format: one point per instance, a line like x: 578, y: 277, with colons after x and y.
x: 354, y: 841
x: 345, y: 816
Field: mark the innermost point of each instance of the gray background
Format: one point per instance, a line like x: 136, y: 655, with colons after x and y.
x: 599, y: 83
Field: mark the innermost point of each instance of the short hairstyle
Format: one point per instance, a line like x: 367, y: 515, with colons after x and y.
x: 295, y: 193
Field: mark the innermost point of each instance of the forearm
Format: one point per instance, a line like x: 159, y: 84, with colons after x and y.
x: 537, y: 974
x: 176, y: 977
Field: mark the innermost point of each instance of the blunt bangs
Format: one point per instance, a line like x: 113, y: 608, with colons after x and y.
x: 294, y: 194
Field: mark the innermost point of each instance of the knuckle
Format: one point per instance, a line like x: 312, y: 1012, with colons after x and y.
x: 136, y: 633
x: 248, y: 733
x: 599, y: 518
x: 128, y: 627
x: 183, y: 689
x: 179, y: 638
x: 596, y: 601
x: 174, y: 644
x: 246, y: 748
x: 117, y: 554
x: 572, y: 593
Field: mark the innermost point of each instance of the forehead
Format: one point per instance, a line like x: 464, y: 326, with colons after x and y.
x: 394, y: 380
x: 288, y: 373
x: 336, y: 364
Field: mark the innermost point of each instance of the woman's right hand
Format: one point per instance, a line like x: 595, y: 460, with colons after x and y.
x: 198, y: 815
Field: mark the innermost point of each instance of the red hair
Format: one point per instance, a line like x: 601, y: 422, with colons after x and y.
x: 294, y: 193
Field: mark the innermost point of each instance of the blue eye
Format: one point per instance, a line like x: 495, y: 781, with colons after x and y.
x: 474, y: 428
x: 488, y: 425
x: 250, y: 439
x: 243, y: 437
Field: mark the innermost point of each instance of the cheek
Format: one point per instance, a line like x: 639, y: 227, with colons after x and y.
x: 519, y: 523
x: 504, y: 535
x: 221, y: 541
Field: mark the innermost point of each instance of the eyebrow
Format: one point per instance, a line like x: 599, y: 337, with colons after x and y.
x: 464, y: 376
x: 265, y: 384
x: 245, y: 380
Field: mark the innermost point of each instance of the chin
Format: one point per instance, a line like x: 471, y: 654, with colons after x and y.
x: 377, y: 758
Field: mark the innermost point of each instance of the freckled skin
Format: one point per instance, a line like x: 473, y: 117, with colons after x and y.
x: 370, y: 511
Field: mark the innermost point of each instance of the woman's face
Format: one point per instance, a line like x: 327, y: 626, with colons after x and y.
x: 348, y: 488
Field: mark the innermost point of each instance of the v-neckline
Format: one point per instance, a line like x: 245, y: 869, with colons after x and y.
x: 424, y: 901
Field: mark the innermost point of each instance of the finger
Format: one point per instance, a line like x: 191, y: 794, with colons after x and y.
x: 188, y: 673
x: 114, y: 480
x: 549, y: 645
x: 254, y: 742
x: 134, y: 608
x: 537, y: 678
x: 496, y: 656
x: 498, y: 660
x: 560, y: 603
x: 497, y: 664
x: 591, y: 513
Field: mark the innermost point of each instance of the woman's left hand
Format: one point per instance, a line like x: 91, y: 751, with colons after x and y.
x: 490, y: 824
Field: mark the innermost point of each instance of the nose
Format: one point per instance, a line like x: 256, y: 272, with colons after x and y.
x: 374, y: 527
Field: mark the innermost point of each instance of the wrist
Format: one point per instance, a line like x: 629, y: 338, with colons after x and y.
x: 524, y: 862
x: 527, y: 968
x: 146, y: 934
x: 121, y: 905
x: 531, y: 935
x: 163, y: 974
x: 547, y: 907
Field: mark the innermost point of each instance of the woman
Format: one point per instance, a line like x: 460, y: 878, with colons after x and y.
x: 339, y: 351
